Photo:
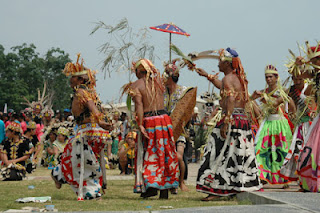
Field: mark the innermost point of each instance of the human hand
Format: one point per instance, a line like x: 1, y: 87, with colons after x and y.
x: 256, y: 94
x: 263, y: 100
x: 223, y: 130
x: 201, y: 72
x: 143, y: 131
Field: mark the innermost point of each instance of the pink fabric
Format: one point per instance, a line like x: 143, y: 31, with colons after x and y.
x: 39, y: 133
x: 23, y: 126
x: 7, y: 123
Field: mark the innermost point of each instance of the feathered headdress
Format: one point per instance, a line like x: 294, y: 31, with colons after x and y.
x: 40, y: 103
x: 77, y: 69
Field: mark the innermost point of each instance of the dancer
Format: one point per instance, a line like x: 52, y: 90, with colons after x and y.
x: 160, y: 164
x: 274, y: 136
x: 80, y: 165
x: 229, y: 163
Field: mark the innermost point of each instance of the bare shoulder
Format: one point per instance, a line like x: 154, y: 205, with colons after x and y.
x: 138, y: 83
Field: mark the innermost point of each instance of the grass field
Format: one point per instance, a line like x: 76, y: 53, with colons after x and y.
x: 119, y: 196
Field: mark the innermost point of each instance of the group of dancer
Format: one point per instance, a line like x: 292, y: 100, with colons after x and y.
x: 249, y: 144
x: 281, y: 148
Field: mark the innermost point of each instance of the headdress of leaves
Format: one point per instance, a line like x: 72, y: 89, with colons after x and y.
x: 77, y: 69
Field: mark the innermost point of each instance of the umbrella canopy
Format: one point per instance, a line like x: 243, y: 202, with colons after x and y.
x: 170, y: 28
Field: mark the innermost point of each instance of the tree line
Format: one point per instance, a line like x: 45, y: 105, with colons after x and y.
x: 23, y: 71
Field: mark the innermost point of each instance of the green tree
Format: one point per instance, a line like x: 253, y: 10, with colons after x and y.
x: 23, y: 71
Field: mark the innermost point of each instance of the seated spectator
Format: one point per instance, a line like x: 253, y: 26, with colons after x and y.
x: 126, y: 154
x: 49, y: 152
x: 14, y: 153
x: 34, y: 144
x: 60, y: 142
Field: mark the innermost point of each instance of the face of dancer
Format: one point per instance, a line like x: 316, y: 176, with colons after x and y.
x: 75, y: 81
x: 52, y: 136
x: 223, y: 65
x: 130, y: 141
x: 61, y: 138
x: 298, y: 81
x: 140, y: 71
x: 271, y: 79
x: 9, y: 134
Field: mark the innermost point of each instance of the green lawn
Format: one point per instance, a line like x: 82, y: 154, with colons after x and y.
x: 119, y: 196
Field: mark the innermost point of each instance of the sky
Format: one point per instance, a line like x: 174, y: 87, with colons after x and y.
x: 260, y: 31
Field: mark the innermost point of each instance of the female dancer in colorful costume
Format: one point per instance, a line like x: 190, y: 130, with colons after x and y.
x: 229, y: 163
x: 80, y: 166
x: 274, y: 136
x: 303, y: 97
x: 309, y: 160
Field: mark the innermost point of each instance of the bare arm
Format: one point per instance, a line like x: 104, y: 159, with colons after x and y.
x: 99, y: 116
x: 212, y: 78
x: 4, y: 158
x: 24, y: 158
x: 38, y: 149
x: 139, y: 111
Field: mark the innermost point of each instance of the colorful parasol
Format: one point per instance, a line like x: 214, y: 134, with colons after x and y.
x: 170, y: 28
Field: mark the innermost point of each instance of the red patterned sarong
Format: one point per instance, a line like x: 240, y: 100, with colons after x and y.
x: 160, y: 162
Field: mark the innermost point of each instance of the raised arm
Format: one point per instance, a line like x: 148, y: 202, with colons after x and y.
x: 212, y: 78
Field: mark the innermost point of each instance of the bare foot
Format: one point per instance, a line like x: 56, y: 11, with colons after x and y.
x: 98, y: 199
x: 58, y: 185
x: 183, y: 187
x: 210, y: 198
x: 122, y: 173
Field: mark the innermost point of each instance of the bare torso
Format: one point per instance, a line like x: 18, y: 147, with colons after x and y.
x: 233, y: 84
x: 78, y: 108
x: 151, y: 101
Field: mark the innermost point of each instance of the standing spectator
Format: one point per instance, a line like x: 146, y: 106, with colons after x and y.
x: 2, y: 129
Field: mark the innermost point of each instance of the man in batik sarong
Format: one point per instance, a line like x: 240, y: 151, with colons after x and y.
x: 172, y: 95
x: 160, y: 170
x: 229, y: 163
x: 309, y: 160
x: 273, y: 139
x: 303, y: 96
x: 80, y: 165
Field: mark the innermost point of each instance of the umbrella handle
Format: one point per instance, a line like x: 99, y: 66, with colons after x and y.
x: 169, y: 47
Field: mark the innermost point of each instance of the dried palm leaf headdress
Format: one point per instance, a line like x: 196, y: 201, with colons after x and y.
x: 77, y: 69
x: 153, y: 74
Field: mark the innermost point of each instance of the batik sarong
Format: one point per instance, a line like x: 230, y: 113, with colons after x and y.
x: 309, y: 160
x: 81, y: 155
x: 289, y: 167
x: 229, y: 164
x: 272, y: 144
x: 160, y: 163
